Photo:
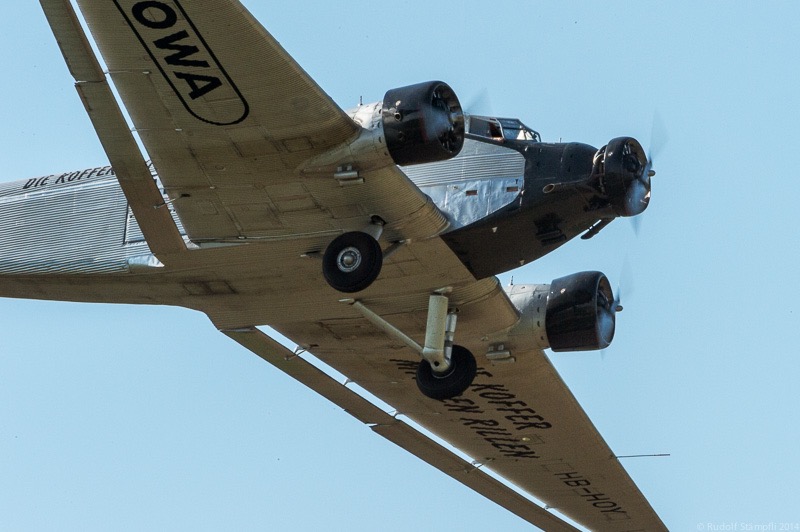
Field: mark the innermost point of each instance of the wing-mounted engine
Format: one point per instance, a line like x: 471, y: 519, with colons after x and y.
x: 423, y: 123
x: 573, y: 313
x: 417, y: 124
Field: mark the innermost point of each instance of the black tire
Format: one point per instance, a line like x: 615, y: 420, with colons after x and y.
x: 352, y: 262
x: 463, y: 369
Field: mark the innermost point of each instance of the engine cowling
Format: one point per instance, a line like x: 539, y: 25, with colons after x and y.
x: 626, y: 176
x: 573, y: 313
x: 580, y: 313
x: 423, y: 123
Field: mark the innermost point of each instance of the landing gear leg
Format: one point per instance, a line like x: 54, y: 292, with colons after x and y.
x: 446, y: 370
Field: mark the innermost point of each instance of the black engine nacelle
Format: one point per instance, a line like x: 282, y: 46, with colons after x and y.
x: 423, y: 123
x: 573, y: 313
x: 580, y: 313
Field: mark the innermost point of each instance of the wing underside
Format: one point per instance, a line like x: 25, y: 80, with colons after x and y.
x: 132, y: 171
x: 230, y: 120
x: 518, y: 419
x: 395, y: 430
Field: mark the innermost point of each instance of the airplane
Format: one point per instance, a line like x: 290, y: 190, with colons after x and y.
x: 370, y: 237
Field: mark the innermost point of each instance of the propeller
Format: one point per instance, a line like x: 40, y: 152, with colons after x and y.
x: 480, y: 104
x: 638, y: 194
x: 422, y: 123
x: 639, y: 198
x: 606, y: 321
x: 606, y: 313
x: 610, y: 310
x: 658, y: 135
x: 658, y: 139
x: 628, y: 171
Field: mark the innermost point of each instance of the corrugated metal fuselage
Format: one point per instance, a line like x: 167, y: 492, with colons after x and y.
x: 557, y: 201
x: 71, y: 236
x: 72, y: 223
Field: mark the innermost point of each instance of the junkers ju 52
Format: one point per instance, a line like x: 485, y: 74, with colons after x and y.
x: 369, y: 237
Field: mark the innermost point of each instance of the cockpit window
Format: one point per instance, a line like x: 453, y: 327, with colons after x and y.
x: 514, y: 129
x: 499, y: 129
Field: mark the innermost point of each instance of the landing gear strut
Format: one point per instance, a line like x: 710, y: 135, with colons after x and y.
x: 446, y: 370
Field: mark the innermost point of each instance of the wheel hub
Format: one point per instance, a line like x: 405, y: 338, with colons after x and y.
x: 349, y: 259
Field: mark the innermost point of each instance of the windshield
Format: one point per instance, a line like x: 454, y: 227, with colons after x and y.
x: 516, y: 130
x: 502, y: 128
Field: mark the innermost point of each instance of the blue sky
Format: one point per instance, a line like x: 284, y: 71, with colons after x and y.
x: 116, y: 417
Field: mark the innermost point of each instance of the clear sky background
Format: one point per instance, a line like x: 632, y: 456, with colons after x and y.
x: 134, y: 418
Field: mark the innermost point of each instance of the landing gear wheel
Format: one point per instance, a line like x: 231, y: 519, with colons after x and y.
x: 352, y: 261
x: 463, y: 369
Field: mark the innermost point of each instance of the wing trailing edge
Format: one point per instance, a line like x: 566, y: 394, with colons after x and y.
x: 396, y: 431
x: 132, y: 171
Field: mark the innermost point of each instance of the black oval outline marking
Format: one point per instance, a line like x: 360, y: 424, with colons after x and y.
x: 167, y: 23
x: 246, y: 112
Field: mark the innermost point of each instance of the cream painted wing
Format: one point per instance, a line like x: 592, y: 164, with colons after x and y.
x: 518, y: 418
x: 229, y: 119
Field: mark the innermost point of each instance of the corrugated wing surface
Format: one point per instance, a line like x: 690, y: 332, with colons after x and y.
x: 518, y: 419
x: 230, y: 125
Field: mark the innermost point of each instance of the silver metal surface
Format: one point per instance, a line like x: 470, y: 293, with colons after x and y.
x: 250, y: 181
x: 467, y: 202
x: 70, y: 223
x: 481, y: 180
x: 477, y: 161
x: 531, y: 301
x: 52, y: 225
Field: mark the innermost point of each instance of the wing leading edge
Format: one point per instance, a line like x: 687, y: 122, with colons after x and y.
x: 518, y: 419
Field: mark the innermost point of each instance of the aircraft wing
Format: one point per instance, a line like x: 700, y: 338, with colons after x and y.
x: 229, y: 119
x: 134, y: 176
x: 394, y: 430
x: 518, y: 419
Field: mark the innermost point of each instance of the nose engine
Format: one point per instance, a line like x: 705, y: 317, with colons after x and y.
x: 624, y: 173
